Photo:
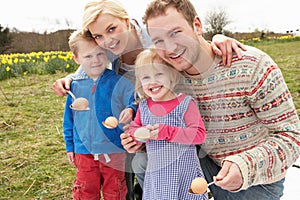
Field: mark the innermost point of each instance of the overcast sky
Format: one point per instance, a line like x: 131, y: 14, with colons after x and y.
x: 41, y: 15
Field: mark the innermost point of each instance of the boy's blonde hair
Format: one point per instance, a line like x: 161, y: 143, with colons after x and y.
x: 158, y: 7
x: 74, y: 38
x: 150, y: 60
x: 95, y: 8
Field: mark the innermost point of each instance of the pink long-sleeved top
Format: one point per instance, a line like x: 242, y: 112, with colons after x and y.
x: 193, y: 133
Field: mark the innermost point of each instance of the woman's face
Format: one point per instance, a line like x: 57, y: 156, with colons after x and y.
x: 111, y: 33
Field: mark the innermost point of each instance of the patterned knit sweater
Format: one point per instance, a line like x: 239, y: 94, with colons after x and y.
x: 249, y: 116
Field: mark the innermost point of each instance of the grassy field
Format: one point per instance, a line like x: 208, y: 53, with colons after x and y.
x: 33, y: 163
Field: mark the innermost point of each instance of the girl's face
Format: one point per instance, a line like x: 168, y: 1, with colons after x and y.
x: 111, y: 33
x: 157, y: 83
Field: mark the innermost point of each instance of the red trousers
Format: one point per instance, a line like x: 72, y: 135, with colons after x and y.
x: 95, y: 175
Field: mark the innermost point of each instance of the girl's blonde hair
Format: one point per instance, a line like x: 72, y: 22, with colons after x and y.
x: 95, y: 8
x: 150, y: 60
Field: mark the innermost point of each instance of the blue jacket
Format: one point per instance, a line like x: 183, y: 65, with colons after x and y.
x: 84, y: 132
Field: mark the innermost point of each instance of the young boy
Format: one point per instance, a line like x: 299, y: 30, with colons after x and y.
x: 95, y: 150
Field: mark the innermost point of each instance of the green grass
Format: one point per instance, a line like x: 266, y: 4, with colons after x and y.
x: 33, y: 163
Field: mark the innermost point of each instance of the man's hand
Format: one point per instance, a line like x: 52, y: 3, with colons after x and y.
x: 61, y: 86
x: 229, y: 177
x: 223, y: 46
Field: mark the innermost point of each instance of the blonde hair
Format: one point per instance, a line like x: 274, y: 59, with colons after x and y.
x: 95, y: 8
x: 158, y: 7
x: 150, y: 60
x: 74, y: 38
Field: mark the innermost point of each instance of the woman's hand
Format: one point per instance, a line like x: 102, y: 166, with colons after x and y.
x: 61, y: 86
x: 223, y: 46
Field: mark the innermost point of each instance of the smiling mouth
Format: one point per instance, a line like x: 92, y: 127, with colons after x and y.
x: 114, y: 45
x: 155, y: 89
x: 97, y: 66
x: 178, y: 54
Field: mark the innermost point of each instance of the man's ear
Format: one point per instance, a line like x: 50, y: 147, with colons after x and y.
x: 197, y: 25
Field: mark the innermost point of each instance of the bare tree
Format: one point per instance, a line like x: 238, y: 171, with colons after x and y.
x: 215, y: 21
x: 68, y: 23
x: 5, y: 39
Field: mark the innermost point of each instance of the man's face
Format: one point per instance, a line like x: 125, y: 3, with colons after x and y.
x: 176, y: 41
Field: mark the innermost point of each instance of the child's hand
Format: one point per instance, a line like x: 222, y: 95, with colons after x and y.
x: 154, y: 130
x: 70, y: 156
x: 126, y: 116
x: 148, y: 132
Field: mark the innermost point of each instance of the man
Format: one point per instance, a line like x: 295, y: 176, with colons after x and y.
x: 253, y: 130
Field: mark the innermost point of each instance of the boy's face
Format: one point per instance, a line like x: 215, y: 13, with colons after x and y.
x: 175, y: 40
x: 92, y: 58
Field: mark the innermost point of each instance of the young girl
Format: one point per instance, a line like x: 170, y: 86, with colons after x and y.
x: 173, y: 128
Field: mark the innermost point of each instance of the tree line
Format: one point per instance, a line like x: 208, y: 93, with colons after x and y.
x: 26, y: 42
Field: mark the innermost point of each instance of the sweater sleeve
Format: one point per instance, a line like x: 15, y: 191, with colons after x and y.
x: 271, y: 101
x: 194, y: 133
